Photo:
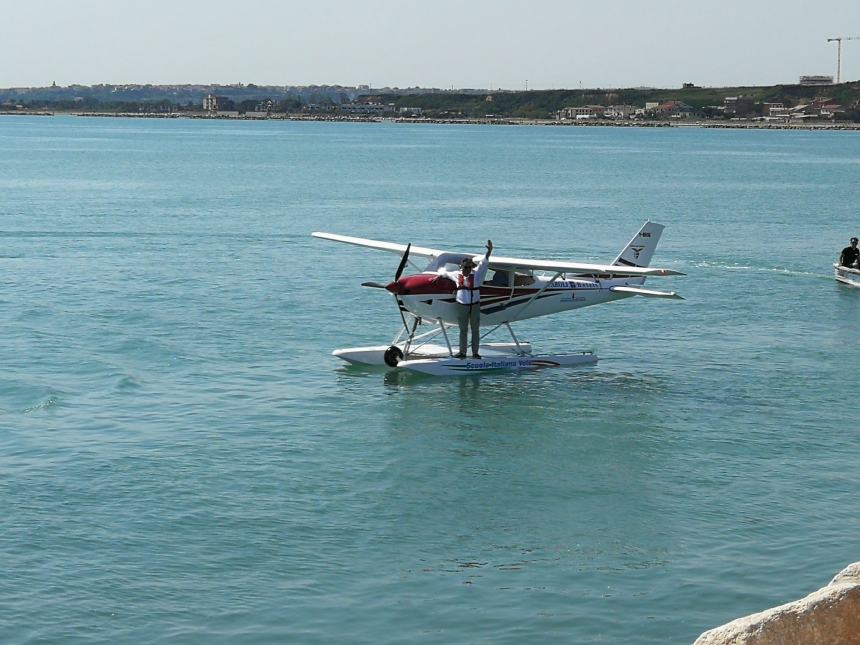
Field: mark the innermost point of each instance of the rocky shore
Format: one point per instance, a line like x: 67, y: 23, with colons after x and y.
x: 253, y: 116
x: 829, y: 616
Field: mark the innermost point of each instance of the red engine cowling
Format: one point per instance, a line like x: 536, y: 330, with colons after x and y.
x: 416, y: 285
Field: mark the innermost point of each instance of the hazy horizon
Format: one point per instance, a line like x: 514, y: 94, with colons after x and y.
x: 391, y: 87
x: 382, y: 43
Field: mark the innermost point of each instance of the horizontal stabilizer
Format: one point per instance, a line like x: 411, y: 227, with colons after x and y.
x: 650, y: 293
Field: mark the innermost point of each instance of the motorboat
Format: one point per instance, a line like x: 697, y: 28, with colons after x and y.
x: 846, y: 275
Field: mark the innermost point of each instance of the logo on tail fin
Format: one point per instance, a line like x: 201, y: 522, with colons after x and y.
x: 636, y: 251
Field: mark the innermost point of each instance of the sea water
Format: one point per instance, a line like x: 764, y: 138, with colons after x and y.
x: 181, y: 458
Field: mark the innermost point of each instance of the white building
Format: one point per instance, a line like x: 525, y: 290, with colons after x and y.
x: 367, y: 108
x: 620, y: 111
x: 583, y: 112
x: 774, y: 110
x: 816, y: 80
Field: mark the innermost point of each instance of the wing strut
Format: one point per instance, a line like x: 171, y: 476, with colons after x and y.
x: 516, y: 340
x: 537, y: 293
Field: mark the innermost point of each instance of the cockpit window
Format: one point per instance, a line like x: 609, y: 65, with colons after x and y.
x: 497, y: 278
x: 523, y: 279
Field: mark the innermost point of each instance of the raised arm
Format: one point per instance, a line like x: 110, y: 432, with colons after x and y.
x: 483, y: 265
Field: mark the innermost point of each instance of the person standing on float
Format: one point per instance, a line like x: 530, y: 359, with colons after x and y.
x: 468, y: 282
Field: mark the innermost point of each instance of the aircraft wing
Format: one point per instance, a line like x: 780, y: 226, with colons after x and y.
x: 497, y: 262
x: 577, y: 267
x: 382, y: 246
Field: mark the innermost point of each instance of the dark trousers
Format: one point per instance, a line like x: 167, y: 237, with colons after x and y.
x: 469, y: 315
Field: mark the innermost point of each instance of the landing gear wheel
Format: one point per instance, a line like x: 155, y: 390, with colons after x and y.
x: 393, y: 355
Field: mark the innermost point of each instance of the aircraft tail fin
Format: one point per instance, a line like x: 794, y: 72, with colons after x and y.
x: 639, y: 250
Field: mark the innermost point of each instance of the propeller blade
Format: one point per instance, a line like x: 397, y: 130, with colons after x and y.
x: 375, y: 285
x: 403, y: 261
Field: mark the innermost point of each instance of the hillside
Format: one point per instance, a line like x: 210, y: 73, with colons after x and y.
x: 544, y: 104
x: 536, y: 104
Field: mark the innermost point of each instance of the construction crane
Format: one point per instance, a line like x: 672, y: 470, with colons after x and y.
x: 839, y: 40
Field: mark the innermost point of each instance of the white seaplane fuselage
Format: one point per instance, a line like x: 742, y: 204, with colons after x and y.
x: 432, y: 298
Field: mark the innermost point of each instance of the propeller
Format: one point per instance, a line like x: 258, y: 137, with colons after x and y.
x: 394, y: 354
x: 393, y: 286
x: 400, y: 267
x: 403, y: 262
x: 397, y: 275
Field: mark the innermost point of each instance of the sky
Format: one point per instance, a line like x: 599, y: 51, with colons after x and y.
x: 538, y: 44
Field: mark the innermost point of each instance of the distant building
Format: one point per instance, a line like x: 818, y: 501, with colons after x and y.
x: 739, y: 105
x: 265, y: 106
x: 676, y: 109
x: 411, y: 111
x: 582, y: 112
x: 367, y: 108
x: 212, y: 103
x: 823, y: 107
x: 689, y: 86
x: 820, y: 108
x: 315, y: 108
x: 774, y: 109
x: 620, y: 111
x: 816, y: 80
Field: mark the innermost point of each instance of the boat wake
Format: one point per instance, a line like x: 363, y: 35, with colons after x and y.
x: 759, y: 269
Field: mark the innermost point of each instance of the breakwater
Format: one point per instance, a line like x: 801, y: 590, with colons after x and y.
x: 686, y: 123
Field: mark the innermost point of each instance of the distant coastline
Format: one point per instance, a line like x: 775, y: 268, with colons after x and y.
x: 510, y: 121
x: 811, y: 104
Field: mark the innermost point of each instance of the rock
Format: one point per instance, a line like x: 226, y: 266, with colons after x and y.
x: 829, y: 616
x: 848, y: 575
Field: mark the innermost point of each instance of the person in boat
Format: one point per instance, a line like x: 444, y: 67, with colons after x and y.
x: 850, y: 254
x: 468, y: 282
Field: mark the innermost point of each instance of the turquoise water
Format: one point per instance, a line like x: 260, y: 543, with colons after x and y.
x: 181, y: 458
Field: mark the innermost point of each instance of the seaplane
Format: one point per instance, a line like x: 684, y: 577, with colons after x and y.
x: 514, y: 289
